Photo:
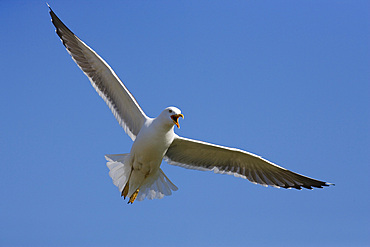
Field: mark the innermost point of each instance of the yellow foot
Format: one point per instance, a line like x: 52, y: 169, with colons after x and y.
x: 133, y: 197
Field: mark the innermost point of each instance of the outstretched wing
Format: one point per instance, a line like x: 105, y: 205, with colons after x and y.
x: 121, y: 102
x: 199, y: 155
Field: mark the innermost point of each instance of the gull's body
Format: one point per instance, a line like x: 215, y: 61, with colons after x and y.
x: 138, y: 173
x: 148, y: 150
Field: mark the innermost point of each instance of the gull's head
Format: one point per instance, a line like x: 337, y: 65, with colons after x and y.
x: 172, y: 114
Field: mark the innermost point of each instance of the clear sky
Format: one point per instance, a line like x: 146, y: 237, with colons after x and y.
x: 287, y: 80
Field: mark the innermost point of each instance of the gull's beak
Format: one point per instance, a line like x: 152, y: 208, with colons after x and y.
x: 175, y: 119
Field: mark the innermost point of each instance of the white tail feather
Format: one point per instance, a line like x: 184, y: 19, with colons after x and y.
x: 117, y: 169
x: 155, y: 186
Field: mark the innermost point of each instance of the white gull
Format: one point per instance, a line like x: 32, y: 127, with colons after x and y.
x: 138, y: 173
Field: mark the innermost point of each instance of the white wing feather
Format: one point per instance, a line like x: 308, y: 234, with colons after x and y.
x: 122, y: 104
x: 204, y: 156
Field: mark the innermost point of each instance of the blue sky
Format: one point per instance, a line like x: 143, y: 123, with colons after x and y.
x: 287, y: 80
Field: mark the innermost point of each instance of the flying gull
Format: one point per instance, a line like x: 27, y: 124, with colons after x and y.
x: 138, y: 173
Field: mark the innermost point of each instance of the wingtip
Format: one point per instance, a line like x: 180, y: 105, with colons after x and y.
x: 51, y: 12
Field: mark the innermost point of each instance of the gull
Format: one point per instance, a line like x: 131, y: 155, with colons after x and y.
x: 138, y: 174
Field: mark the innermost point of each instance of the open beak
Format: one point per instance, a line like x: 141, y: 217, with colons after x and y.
x: 175, y: 119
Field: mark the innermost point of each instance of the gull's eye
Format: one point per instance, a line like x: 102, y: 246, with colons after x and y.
x: 170, y: 111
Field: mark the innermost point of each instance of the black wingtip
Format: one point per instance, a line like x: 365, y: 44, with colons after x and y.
x: 50, y: 10
x: 59, y: 25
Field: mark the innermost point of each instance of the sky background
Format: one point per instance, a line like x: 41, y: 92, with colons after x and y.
x: 287, y: 80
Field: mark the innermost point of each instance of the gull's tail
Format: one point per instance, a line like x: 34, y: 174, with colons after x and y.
x: 118, y: 171
x: 155, y: 186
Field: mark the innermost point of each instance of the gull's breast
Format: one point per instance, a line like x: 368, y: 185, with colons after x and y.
x: 149, y: 148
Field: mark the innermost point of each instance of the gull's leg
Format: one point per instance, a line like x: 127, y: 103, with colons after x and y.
x: 125, y: 189
x: 133, y: 196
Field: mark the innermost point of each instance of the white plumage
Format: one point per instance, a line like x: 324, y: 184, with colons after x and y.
x: 152, y: 189
x: 138, y: 174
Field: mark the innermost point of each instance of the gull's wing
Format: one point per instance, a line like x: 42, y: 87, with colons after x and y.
x: 199, y: 155
x: 121, y: 102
